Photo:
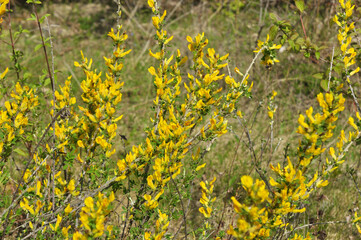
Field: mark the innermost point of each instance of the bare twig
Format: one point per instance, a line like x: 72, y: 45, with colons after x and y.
x: 262, y: 176
x: 134, y: 20
x: 184, y: 212
x: 44, y: 49
x: 53, y: 107
x: 215, y: 13
x: 356, y: 185
x: 260, y: 12
x: 313, y: 224
x: 126, y: 217
x: 13, y: 44
x: 354, y: 96
x: 330, y: 73
x: 251, y: 65
x: 303, y: 27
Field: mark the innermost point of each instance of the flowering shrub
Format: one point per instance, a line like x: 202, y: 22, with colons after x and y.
x: 72, y: 177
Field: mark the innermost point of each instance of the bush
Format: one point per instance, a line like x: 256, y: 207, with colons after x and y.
x: 72, y: 182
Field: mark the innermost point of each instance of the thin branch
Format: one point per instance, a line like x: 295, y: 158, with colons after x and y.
x: 250, y: 66
x: 354, y: 180
x: 262, y: 176
x: 303, y: 27
x: 13, y: 44
x: 53, y: 108
x: 184, y: 213
x: 354, y: 96
x: 260, y: 12
x: 330, y: 73
x: 215, y: 13
x: 44, y: 49
x: 313, y: 224
x: 126, y: 217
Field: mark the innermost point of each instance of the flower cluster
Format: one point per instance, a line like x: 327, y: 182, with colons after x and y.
x: 81, y: 145
x: 161, y: 227
x: 14, y: 118
x: 3, y: 4
x: 252, y: 222
x: 271, y: 106
x: 158, y: 161
x: 98, y: 124
x: 93, y: 217
x: 318, y: 128
x: 268, y: 50
x: 206, y: 200
x: 344, y: 37
x: 293, y: 183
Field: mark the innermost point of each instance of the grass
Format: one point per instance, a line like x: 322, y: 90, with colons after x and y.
x: 74, y: 29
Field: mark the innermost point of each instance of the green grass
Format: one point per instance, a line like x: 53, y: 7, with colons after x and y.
x: 230, y: 157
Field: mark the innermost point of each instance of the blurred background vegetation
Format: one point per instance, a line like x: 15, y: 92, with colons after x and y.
x: 232, y: 26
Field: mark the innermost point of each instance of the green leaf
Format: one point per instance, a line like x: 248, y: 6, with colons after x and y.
x: 318, y: 75
x: 300, y: 41
x: 33, y: 1
x: 20, y: 152
x: 273, y: 32
x: 4, y: 177
x: 291, y: 43
x: 43, y: 17
x: 294, y: 36
x: 46, y: 82
x: 324, y: 85
x: 27, y: 75
x: 37, y: 47
x: 300, y: 4
x: 33, y: 18
x: 273, y: 17
x: 317, y: 55
x: 297, y: 47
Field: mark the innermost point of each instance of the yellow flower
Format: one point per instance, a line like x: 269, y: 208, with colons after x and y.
x: 68, y: 209
x: 27, y: 175
x: 89, y: 202
x: 2, y: 76
x: 200, y: 167
x: 155, y: 55
x: 78, y: 236
x: 150, y: 182
x: 38, y: 188
x: 321, y: 183
x: 80, y: 144
x: 247, y: 181
x: 156, y: 22
x: 206, y: 212
x: 352, y: 123
x: 71, y: 186
x: 358, y: 228
x: 59, y: 218
x: 65, y: 230
x: 102, y: 142
x: 3, y: 6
